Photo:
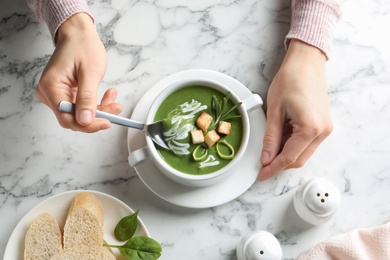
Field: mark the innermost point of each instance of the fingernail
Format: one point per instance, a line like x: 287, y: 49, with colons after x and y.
x: 264, y: 157
x: 114, y: 96
x: 85, y: 117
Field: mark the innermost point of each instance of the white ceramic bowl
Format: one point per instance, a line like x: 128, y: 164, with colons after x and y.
x: 151, y: 152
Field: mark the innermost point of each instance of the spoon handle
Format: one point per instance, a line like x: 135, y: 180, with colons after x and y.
x: 68, y: 107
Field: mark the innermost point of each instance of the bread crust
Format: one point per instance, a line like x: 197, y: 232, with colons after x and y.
x: 82, y: 238
x: 43, y: 238
x: 85, y: 253
x: 90, y: 202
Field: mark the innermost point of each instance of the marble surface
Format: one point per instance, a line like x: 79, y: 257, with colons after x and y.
x: 149, y: 40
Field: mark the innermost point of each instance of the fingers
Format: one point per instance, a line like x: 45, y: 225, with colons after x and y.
x: 290, y: 153
x: 307, y: 153
x: 295, y: 153
x: 55, y: 93
x: 40, y: 96
x: 51, y: 91
x: 108, y: 102
x: 86, y: 103
x: 272, y: 138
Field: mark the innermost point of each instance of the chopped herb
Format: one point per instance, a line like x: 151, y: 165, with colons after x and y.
x: 218, y: 108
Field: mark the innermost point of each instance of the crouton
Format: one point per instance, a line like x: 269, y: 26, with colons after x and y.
x: 211, y: 138
x: 224, y: 127
x: 197, y: 136
x: 204, y: 121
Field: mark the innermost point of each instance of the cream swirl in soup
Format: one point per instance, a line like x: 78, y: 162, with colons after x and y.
x: 179, y: 123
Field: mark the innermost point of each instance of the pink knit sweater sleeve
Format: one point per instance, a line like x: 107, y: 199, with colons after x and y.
x: 55, y: 12
x: 314, y: 22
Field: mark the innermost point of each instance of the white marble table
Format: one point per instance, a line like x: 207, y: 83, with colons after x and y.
x: 149, y: 40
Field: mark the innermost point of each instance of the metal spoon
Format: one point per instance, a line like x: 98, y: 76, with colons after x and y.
x: 154, y: 130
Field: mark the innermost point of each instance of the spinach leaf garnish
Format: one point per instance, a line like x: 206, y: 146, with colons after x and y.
x: 136, y: 247
x: 140, y: 248
x: 126, y: 227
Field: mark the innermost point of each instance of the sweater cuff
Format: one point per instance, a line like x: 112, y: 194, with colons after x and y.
x: 314, y: 22
x: 55, y: 13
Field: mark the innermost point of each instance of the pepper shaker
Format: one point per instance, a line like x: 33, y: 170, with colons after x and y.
x: 316, y: 201
x: 259, y: 245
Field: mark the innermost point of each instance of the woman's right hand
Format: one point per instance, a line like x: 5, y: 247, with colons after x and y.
x: 74, y: 73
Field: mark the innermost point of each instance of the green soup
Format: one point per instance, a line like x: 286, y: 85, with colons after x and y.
x: 179, y: 112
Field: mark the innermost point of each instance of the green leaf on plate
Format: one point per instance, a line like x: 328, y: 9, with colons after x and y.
x: 126, y: 227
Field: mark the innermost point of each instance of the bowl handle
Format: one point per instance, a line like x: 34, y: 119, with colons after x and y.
x: 252, y: 102
x: 138, y: 156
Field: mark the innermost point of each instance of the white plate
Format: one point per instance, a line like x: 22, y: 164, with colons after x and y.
x: 58, y: 206
x: 245, y: 172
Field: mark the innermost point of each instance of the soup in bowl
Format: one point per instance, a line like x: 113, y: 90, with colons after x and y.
x: 206, y: 127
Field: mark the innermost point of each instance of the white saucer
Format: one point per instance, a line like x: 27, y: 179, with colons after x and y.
x: 58, y: 205
x: 245, y: 172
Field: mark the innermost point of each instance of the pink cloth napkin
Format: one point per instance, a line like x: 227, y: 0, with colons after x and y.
x: 359, y: 244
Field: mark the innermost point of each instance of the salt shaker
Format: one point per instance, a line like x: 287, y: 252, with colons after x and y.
x: 316, y: 201
x: 259, y: 245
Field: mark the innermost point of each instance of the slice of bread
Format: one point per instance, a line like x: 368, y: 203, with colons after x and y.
x: 85, y: 253
x: 43, y: 238
x: 90, y: 202
x: 82, y: 228
x: 84, y: 223
x: 82, y: 238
